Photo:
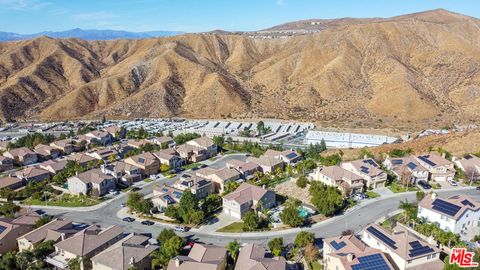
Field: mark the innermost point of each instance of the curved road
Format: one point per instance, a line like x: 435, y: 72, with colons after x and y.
x: 354, y: 219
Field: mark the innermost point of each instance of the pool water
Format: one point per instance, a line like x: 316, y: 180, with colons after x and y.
x: 304, y: 212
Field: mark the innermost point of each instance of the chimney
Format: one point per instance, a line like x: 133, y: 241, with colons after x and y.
x: 454, y: 159
x: 443, y: 154
x: 365, y: 156
x: 177, y: 262
x: 264, y: 187
x: 76, y: 173
x: 434, y: 195
x: 350, y: 257
x: 132, y: 261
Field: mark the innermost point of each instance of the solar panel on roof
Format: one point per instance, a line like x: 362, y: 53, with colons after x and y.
x: 397, y: 161
x: 418, y: 249
x: 371, y: 162
x: 177, y: 194
x: 168, y: 199
x: 164, y: 189
x: 412, y: 165
x: 467, y: 202
x: 2, y: 229
x: 426, y: 160
x: 141, y: 160
x: 336, y: 245
x: 382, y: 237
x: 371, y: 262
x: 445, y: 207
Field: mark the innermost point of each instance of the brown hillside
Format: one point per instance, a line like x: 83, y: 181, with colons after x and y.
x: 409, y: 71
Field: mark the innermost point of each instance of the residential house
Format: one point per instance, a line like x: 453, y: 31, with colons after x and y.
x: 192, y: 153
x: 164, y: 141
x: 92, y: 181
x: 440, y: 168
x: 67, y: 146
x: 348, y: 252
x: 201, y: 257
x: 137, y: 143
x: 124, y: 173
x: 6, y: 164
x: 246, y: 169
x: 106, y: 154
x: 11, y: 228
x: 406, y: 167
x: 290, y: 157
x: 246, y: 198
x: 53, y: 166
x: 99, y: 137
x: 205, y: 143
x: 347, y: 181
x: 147, y: 163
x: 11, y: 182
x: 219, y: 177
x: 21, y: 156
x: 252, y: 257
x: 369, y: 170
x: 33, y: 174
x: 459, y: 214
x: 406, y: 249
x: 84, y: 244
x: 199, y: 186
x: 46, y: 152
x: 164, y: 196
x: 133, y: 251
x: 56, y: 230
x: 116, y: 132
x: 267, y: 164
x: 470, y: 164
x: 81, y: 158
x: 170, y: 158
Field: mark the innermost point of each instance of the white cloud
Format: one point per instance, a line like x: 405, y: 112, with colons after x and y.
x: 24, y: 4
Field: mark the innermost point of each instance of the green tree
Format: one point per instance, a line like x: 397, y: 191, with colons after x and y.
x: 251, y: 221
x: 43, y: 220
x: 219, y: 141
x: 211, y: 203
x: 409, y: 210
x: 420, y: 195
x: 304, y: 238
x: 8, y: 209
x: 23, y: 259
x: 261, y: 127
x: 327, y: 199
x: 290, y: 215
x: 233, y: 249
x: 164, y: 235
x: 302, y: 182
x: 276, y: 246
x: 75, y: 264
x: 43, y: 249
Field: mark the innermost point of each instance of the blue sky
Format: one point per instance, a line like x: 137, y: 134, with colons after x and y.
x: 30, y: 16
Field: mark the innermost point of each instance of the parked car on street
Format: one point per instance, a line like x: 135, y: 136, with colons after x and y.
x: 147, y: 222
x: 452, y: 182
x: 128, y: 219
x: 181, y: 228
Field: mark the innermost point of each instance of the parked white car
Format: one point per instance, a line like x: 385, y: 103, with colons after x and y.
x: 452, y: 182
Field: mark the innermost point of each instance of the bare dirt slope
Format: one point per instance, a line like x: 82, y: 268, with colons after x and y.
x: 415, y: 70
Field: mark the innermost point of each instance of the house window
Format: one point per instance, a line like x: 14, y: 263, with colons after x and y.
x: 409, y: 261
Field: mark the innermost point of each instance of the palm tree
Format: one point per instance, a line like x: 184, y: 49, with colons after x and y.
x: 406, y: 207
x: 233, y: 248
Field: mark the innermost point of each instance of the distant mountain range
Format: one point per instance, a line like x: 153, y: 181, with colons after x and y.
x: 89, y: 34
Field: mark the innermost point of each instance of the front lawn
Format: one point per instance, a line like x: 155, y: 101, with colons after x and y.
x: 66, y: 200
x: 235, y: 227
x: 148, y: 180
x: 395, y: 187
x: 191, y: 166
x: 435, y: 185
x: 372, y: 194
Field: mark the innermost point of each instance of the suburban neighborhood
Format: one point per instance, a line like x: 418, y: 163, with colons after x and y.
x: 191, y: 183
